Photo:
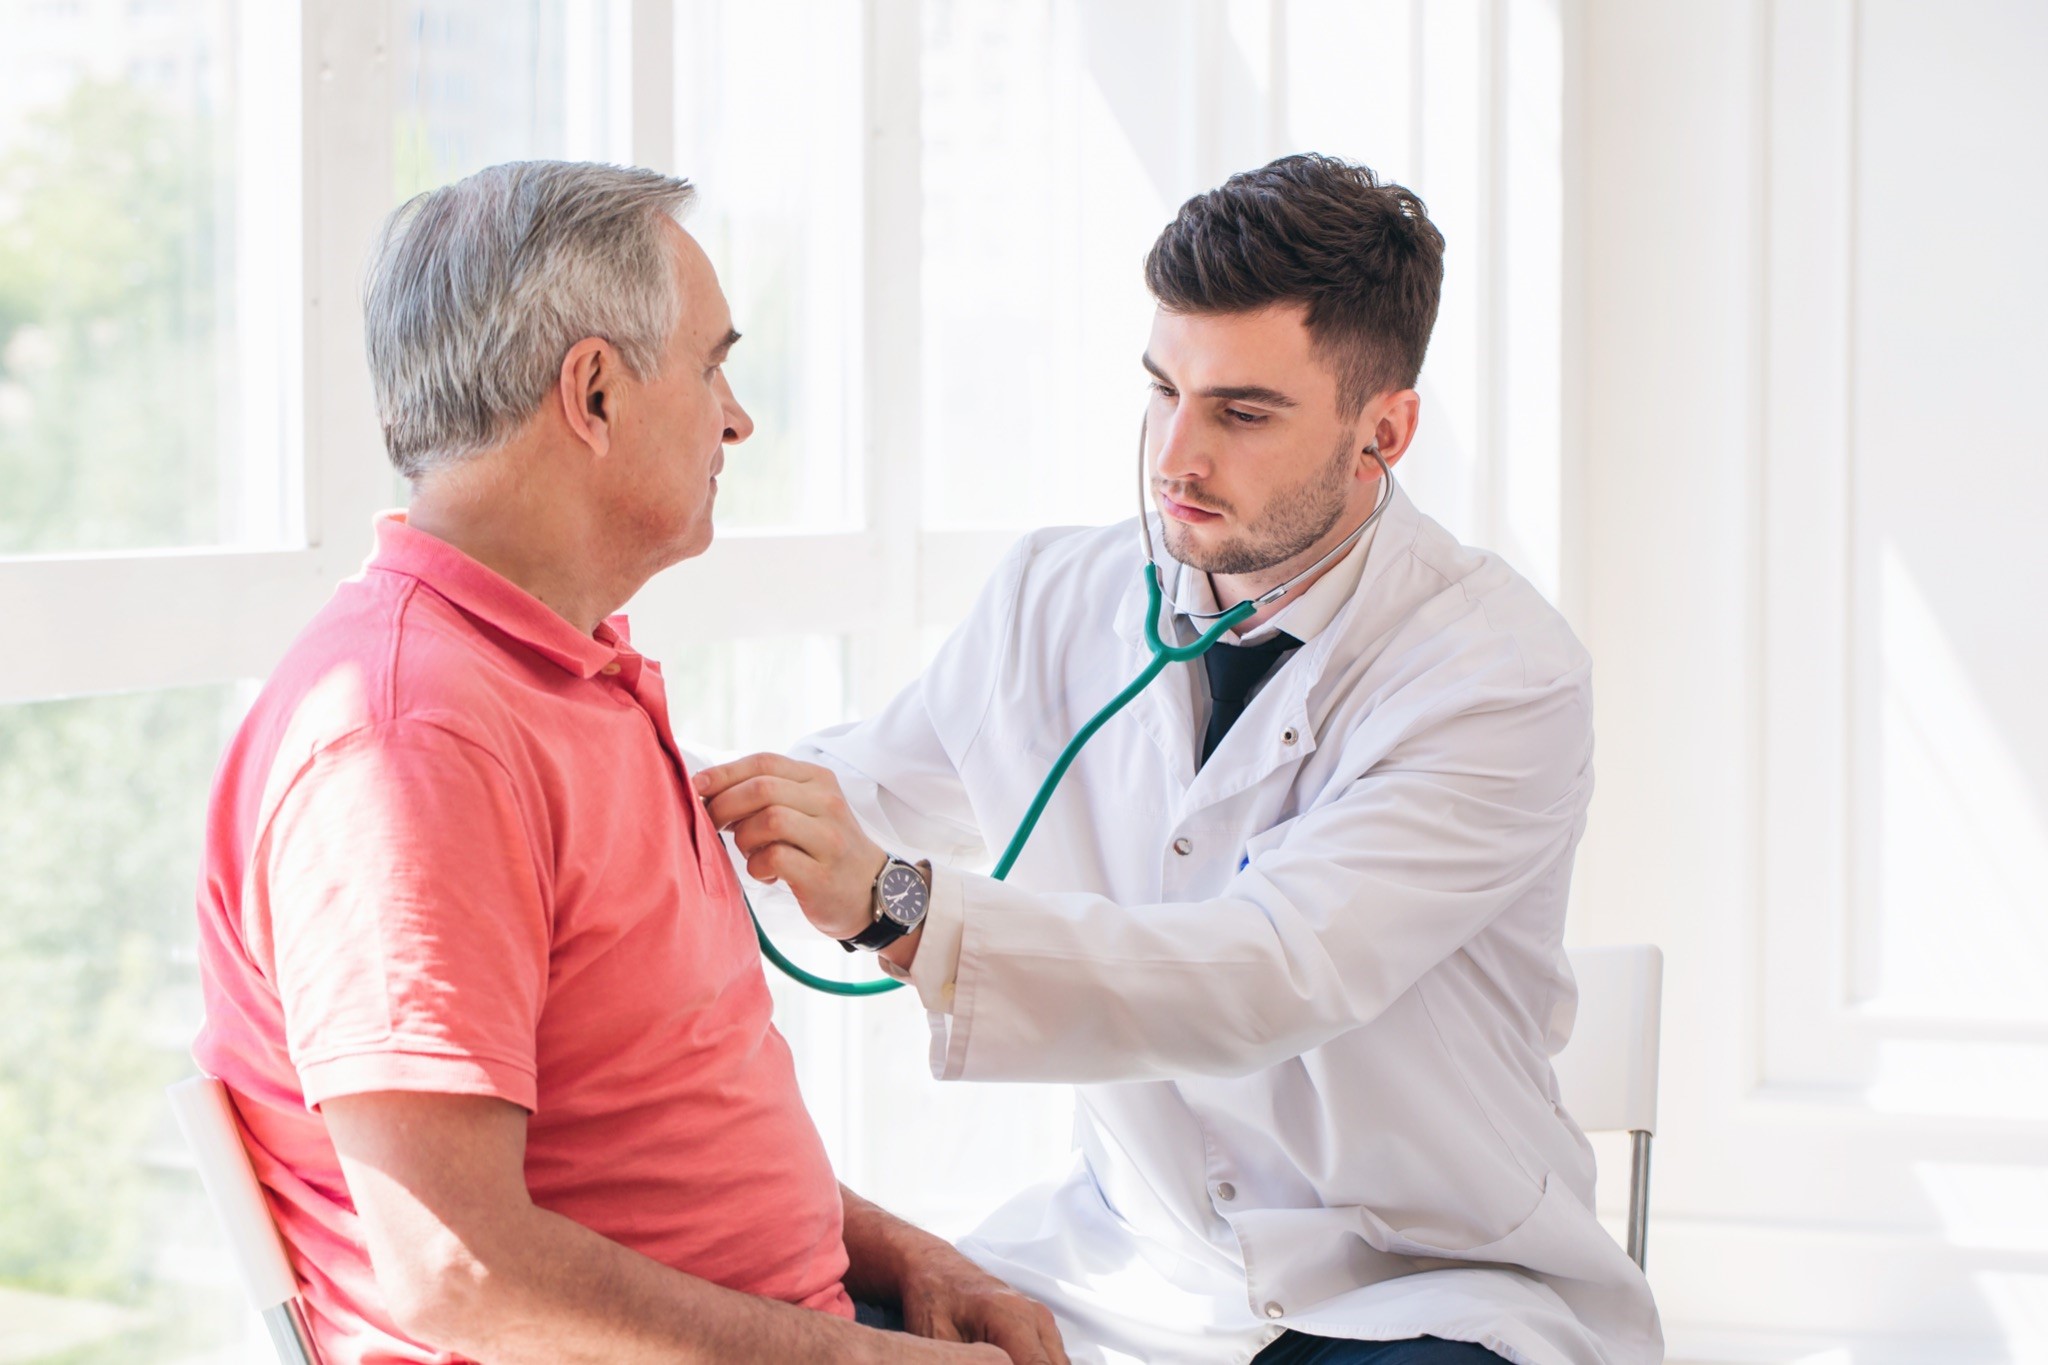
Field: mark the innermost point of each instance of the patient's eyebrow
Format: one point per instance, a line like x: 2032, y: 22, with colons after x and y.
x: 1228, y: 393
x: 718, y: 352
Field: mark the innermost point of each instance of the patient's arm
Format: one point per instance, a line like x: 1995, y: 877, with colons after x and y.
x: 467, y: 1263
x: 943, y: 1294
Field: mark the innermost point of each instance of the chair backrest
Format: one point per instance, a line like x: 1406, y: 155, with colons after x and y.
x: 1607, y: 1073
x: 205, y: 1112
x: 202, y: 1108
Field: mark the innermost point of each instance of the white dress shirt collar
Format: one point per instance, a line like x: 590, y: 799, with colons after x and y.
x: 1306, y: 616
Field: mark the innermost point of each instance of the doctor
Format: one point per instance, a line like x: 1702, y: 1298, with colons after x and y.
x: 1293, y: 924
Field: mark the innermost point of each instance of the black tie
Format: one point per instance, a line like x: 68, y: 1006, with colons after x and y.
x: 1234, y: 670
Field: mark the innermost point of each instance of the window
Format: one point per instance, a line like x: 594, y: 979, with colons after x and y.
x: 105, y: 1253
x: 1050, y: 159
x: 479, y: 82
x: 140, y: 395
x: 768, y: 125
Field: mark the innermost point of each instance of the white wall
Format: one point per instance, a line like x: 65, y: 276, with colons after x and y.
x: 1806, y: 291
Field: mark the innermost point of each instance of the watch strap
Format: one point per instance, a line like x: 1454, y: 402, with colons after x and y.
x: 877, y: 936
x: 882, y: 930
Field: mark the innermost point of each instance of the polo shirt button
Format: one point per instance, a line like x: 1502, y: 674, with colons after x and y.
x: 609, y: 669
x: 1274, y: 1310
x: 1226, y: 1191
x: 1183, y: 846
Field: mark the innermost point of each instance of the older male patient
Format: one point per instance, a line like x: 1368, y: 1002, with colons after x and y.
x: 476, y: 968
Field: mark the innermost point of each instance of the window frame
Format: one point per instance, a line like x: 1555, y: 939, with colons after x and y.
x: 117, y: 621
x: 98, y: 622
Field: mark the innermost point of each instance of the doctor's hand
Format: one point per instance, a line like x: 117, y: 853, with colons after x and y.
x: 793, y: 826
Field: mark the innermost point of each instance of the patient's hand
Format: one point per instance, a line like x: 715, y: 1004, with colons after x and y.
x: 948, y: 1297
x: 792, y: 824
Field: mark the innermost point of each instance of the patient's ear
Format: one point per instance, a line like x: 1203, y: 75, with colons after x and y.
x: 587, y: 390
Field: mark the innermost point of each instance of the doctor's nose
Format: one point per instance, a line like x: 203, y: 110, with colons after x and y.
x: 1177, y: 455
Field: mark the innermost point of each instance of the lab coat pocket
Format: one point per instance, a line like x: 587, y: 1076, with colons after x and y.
x: 1312, y: 1255
x: 1559, y: 1241
x: 1560, y: 1237
x: 1424, y: 1246
x: 1562, y: 1241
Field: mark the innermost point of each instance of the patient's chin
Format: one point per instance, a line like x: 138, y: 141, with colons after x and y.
x: 694, y: 541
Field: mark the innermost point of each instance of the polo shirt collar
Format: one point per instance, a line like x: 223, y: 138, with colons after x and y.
x: 493, y: 599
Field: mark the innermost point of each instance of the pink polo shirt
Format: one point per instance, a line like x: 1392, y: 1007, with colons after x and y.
x: 454, y: 849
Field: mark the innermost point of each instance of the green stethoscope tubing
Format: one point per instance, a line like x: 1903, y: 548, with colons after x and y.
x: 1162, y: 655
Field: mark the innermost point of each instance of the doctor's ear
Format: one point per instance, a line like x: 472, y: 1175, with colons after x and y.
x: 586, y: 389
x: 1393, y: 427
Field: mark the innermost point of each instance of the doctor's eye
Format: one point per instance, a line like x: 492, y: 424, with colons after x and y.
x: 1245, y: 419
x: 1164, y: 391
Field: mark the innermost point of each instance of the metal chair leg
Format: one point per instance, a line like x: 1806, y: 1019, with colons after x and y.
x: 1639, y: 1201
x: 288, y: 1332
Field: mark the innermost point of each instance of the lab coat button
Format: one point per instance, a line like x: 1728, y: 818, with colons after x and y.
x: 1289, y: 735
x: 1226, y: 1191
x: 1274, y: 1310
x: 1183, y: 846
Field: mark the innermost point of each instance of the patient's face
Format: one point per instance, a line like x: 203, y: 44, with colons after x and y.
x: 671, y: 438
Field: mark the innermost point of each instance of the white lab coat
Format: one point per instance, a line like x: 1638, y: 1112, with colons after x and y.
x: 1312, y: 1050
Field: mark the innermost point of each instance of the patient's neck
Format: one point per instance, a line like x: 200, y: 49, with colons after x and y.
x: 516, y: 516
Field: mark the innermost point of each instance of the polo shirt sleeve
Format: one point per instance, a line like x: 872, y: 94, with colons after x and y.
x: 408, y: 919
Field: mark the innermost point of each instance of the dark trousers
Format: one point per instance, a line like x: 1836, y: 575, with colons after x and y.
x: 1293, y: 1348
x: 886, y: 1316
x: 1296, y: 1349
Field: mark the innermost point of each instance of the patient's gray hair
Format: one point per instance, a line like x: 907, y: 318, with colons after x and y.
x: 478, y: 289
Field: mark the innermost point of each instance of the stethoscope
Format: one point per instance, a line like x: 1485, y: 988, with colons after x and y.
x: 1162, y: 655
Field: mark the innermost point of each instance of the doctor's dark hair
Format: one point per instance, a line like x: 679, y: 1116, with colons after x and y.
x: 1359, y: 253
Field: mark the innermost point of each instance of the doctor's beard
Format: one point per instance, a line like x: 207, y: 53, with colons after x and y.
x: 1292, y: 523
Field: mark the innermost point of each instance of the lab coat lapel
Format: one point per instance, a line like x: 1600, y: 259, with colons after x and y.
x: 1254, y: 749
x: 1256, y: 746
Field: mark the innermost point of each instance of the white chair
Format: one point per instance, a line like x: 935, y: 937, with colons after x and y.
x: 203, y: 1111
x: 1607, y: 1073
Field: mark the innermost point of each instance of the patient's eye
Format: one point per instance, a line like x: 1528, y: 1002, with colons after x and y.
x: 1245, y: 419
x: 1163, y: 390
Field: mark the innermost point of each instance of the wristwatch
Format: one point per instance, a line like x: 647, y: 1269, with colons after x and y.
x: 903, y: 892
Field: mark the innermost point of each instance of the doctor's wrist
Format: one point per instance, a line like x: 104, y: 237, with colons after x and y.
x: 901, y: 953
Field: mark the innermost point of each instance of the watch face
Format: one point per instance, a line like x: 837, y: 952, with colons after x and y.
x: 903, y: 894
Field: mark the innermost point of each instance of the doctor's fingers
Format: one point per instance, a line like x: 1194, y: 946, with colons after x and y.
x: 757, y: 794
x: 818, y: 839
x: 711, y: 781
x: 785, y: 863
